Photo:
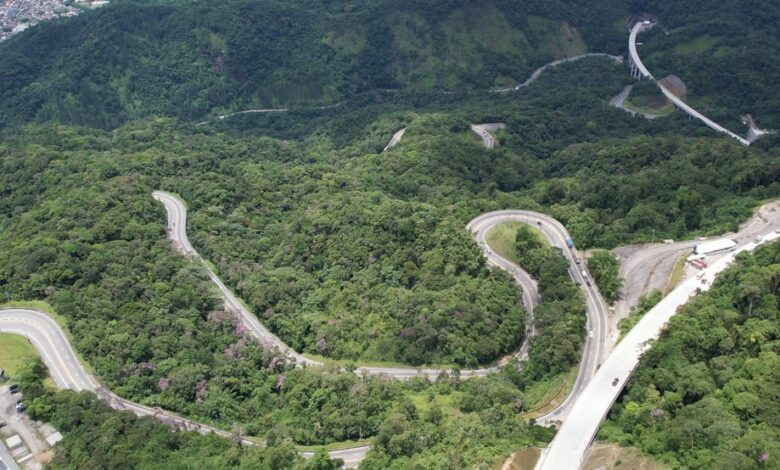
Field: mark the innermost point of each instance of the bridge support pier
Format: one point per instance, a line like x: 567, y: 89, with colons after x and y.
x: 634, y: 69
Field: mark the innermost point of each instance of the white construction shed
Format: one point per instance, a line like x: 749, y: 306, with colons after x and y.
x: 714, y: 246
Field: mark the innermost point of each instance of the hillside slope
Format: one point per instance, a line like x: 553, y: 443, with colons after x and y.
x: 727, y: 52
x: 192, y: 59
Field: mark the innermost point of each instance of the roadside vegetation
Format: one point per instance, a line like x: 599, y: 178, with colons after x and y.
x: 604, y: 268
x: 704, y: 396
x: 95, y: 436
x: 509, y: 238
x: 560, y: 319
x: 316, y: 245
x: 346, y: 253
x: 646, y: 302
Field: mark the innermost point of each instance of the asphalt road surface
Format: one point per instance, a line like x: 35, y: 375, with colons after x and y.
x: 67, y: 372
x: 47, y: 337
x: 485, y: 132
x: 551, y: 228
x: 647, y: 267
x: 177, y: 231
x: 395, y: 139
x: 351, y: 457
x: 596, y: 346
x: 572, y: 440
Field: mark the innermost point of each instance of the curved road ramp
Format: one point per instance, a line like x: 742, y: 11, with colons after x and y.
x: 485, y: 132
x: 577, y: 432
x: 638, y: 69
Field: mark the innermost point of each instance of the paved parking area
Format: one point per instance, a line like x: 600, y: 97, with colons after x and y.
x: 23, y: 438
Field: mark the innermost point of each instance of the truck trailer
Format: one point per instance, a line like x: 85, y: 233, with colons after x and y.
x: 714, y: 246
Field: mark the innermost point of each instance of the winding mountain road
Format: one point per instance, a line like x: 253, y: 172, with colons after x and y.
x: 556, y: 234
x: 596, y: 346
x: 636, y: 61
x: 177, y: 231
x: 538, y: 72
x: 66, y: 370
x: 53, y: 345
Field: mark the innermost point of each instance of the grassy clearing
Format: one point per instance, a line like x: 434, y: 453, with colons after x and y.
x: 524, y: 459
x: 664, y: 110
x: 448, y: 403
x: 678, y: 271
x: 611, y: 456
x: 501, y: 239
x: 698, y: 46
x: 15, y: 351
x: 544, y: 396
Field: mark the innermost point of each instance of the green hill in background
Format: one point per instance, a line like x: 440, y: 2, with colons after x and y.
x: 193, y: 59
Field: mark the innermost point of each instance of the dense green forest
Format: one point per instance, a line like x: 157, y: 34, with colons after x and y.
x: 97, y: 437
x: 450, y: 423
x: 191, y: 59
x: 81, y: 231
x: 344, y: 251
x: 322, y: 245
x: 604, y: 268
x: 706, y: 394
x: 560, y: 319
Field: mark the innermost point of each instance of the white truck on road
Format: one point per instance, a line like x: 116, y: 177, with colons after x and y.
x: 714, y: 246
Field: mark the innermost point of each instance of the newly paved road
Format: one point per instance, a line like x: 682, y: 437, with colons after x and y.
x: 637, y: 61
x: 395, y: 139
x: 568, y: 448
